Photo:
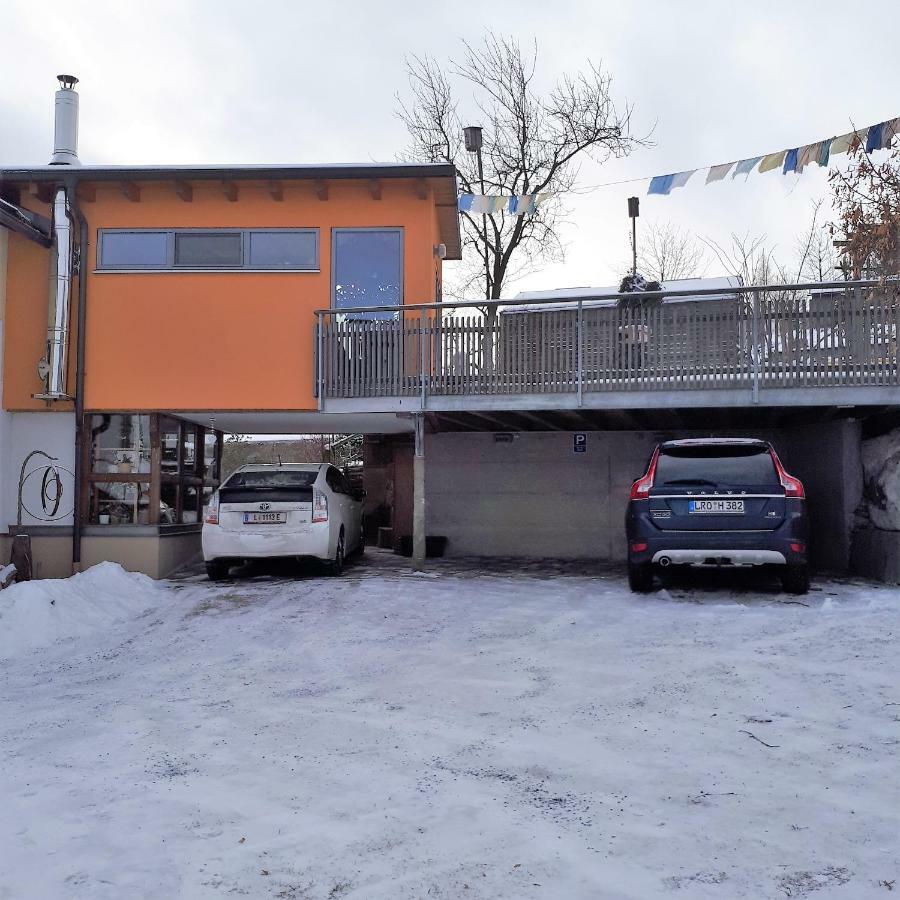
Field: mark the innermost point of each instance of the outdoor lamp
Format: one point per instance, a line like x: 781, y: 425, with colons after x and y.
x: 472, y: 135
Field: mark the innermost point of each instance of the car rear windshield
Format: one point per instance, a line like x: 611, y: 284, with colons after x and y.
x: 738, y: 464
x: 272, y: 479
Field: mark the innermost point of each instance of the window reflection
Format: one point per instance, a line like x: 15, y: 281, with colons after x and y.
x: 120, y: 444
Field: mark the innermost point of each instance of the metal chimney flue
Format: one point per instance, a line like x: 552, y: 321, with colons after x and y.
x: 65, y: 131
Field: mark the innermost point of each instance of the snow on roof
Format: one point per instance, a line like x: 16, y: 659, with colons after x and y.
x: 725, y: 282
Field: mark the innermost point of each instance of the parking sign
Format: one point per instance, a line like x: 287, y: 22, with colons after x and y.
x: 579, y: 442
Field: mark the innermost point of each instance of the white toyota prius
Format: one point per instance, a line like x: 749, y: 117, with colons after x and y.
x: 295, y: 510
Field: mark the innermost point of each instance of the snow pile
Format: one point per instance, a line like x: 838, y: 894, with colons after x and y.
x: 35, y: 613
x: 881, y: 464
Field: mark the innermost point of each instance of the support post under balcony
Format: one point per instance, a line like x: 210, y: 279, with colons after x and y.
x: 419, y: 493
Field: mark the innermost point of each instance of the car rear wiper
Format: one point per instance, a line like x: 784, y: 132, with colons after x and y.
x: 691, y: 481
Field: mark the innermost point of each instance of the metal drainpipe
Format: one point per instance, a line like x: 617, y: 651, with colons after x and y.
x: 77, y: 511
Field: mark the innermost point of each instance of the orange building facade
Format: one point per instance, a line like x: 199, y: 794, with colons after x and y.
x: 197, y: 289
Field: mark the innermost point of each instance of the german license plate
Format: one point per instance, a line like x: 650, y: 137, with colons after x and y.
x: 264, y: 518
x: 720, y: 507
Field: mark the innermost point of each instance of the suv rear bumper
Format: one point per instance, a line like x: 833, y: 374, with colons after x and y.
x: 649, y: 544
x: 719, y: 557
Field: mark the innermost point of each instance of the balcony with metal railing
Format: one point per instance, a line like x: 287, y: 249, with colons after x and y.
x: 822, y: 344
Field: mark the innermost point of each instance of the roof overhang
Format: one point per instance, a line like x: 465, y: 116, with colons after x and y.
x: 440, y: 176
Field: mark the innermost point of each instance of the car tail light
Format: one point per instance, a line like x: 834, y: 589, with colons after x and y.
x: 797, y: 547
x: 320, y: 507
x: 638, y: 547
x: 793, y: 487
x: 212, y: 511
x: 640, y: 490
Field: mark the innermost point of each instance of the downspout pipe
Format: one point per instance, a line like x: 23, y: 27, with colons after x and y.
x: 78, y: 511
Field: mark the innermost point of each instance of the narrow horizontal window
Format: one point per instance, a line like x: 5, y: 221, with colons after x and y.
x: 284, y: 250
x: 133, y: 249
x: 208, y: 250
x: 267, y: 249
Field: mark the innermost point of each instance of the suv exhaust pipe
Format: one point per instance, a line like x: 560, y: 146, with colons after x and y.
x: 664, y: 561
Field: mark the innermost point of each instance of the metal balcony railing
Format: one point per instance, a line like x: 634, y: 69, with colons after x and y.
x: 802, y: 335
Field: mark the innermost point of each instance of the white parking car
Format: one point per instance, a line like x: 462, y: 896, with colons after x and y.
x: 295, y: 510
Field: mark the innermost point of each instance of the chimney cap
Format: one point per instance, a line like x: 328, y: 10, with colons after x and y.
x: 67, y: 82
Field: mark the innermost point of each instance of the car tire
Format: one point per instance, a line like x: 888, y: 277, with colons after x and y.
x: 640, y: 578
x: 336, y: 565
x: 795, y: 579
x: 217, y: 569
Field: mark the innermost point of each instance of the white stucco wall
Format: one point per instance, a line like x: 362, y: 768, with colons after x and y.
x: 52, y: 432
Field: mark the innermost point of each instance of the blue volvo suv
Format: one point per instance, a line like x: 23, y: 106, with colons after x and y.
x: 717, y: 502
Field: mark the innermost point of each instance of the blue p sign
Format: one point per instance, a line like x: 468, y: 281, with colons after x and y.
x: 579, y: 442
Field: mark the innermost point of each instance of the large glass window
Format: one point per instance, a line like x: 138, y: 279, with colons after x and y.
x: 133, y: 249
x: 120, y: 443
x: 120, y: 503
x: 170, y: 439
x: 149, y: 469
x: 284, y: 249
x: 367, y: 268
x: 211, y: 250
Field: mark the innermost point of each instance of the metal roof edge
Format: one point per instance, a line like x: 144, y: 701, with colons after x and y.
x: 333, y: 171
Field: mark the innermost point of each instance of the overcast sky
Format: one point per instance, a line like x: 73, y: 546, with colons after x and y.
x: 293, y: 82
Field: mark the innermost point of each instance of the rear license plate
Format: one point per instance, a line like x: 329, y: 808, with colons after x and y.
x: 720, y: 507
x: 263, y: 518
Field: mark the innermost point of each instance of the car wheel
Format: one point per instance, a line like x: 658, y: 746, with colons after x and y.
x: 217, y: 569
x: 336, y: 566
x: 795, y: 579
x: 640, y: 578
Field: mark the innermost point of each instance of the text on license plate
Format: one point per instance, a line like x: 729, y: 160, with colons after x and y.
x: 264, y: 518
x: 716, y: 506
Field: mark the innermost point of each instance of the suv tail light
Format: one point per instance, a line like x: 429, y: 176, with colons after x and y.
x: 320, y: 507
x: 640, y: 490
x: 212, y: 511
x: 793, y: 487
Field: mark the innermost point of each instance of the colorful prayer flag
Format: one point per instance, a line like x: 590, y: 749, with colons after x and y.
x: 745, y: 166
x: 805, y: 156
x: 790, y: 161
x: 717, y: 173
x: 660, y: 184
x: 772, y: 161
x: 874, y: 137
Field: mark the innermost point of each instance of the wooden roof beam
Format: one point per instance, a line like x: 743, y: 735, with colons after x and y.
x: 321, y: 188
x: 420, y: 188
x: 184, y: 190
x: 230, y: 190
x: 131, y: 191
x: 86, y: 193
x: 375, y: 188
x: 276, y: 190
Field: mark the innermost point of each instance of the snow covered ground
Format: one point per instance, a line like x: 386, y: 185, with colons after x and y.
x: 529, y: 732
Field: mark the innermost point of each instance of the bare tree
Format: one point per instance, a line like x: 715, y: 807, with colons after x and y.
x: 532, y: 144
x: 667, y: 253
x: 817, y: 257
x: 749, y: 258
